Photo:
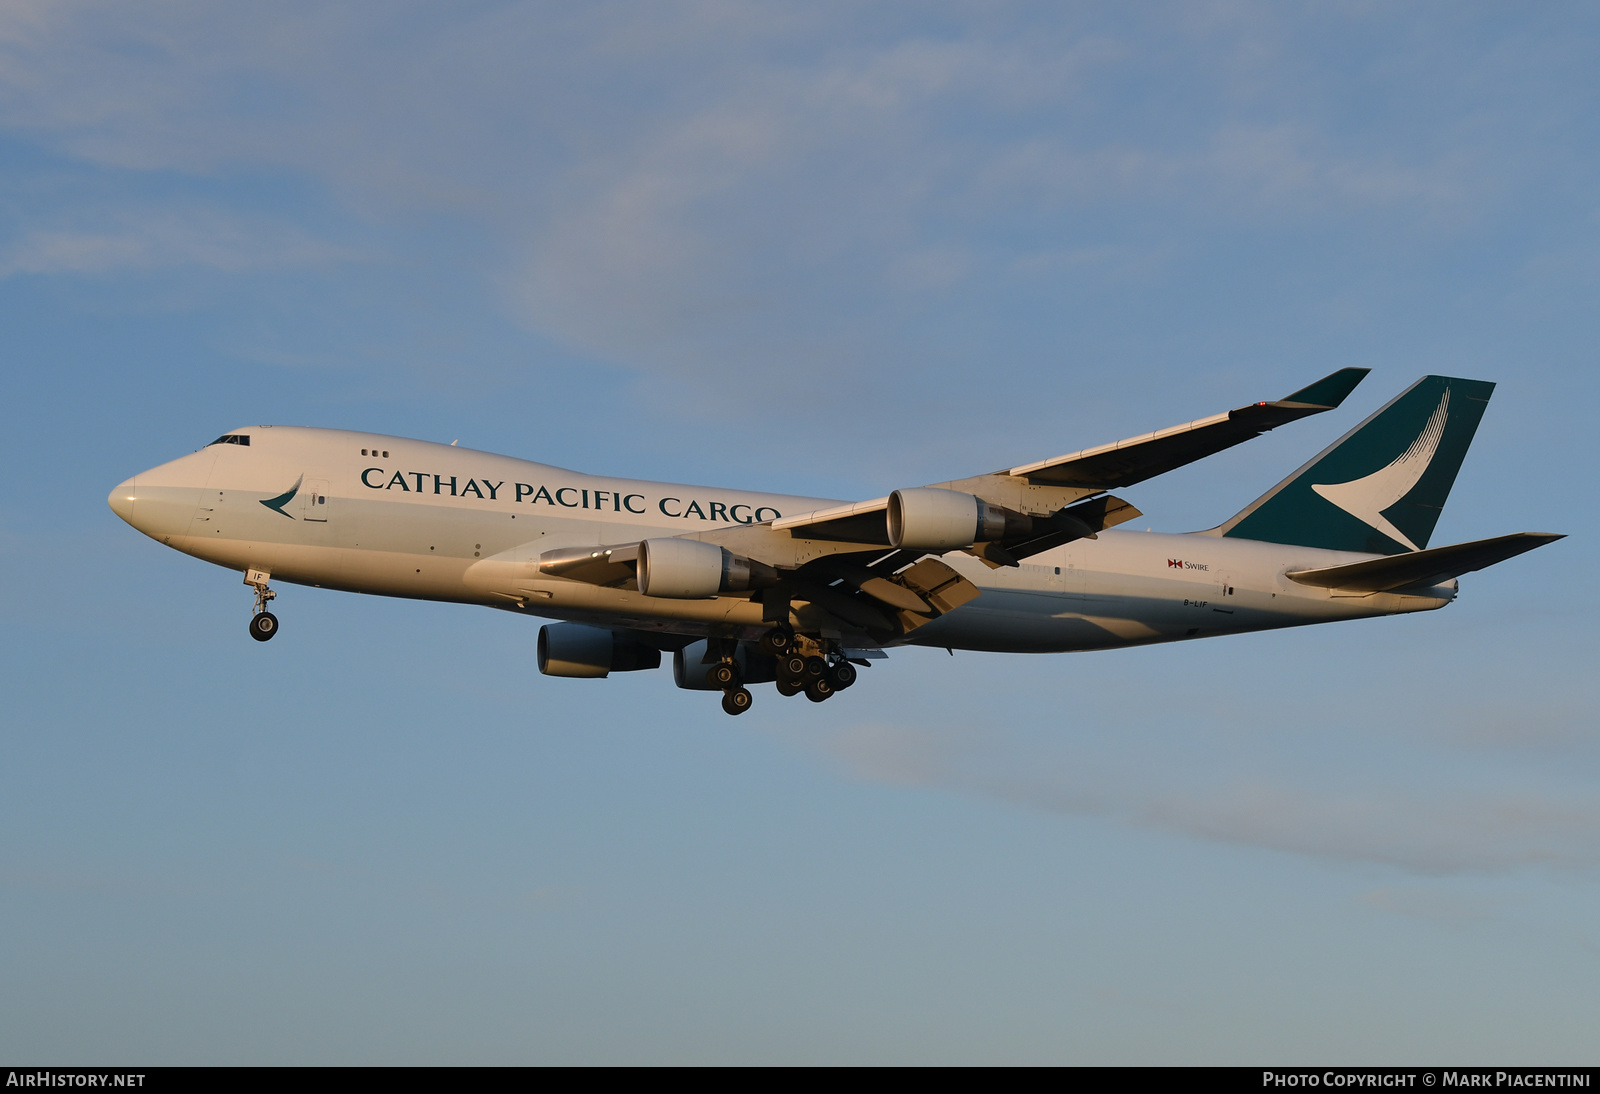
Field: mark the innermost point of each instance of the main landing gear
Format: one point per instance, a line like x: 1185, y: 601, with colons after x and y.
x: 725, y: 676
x: 263, y: 624
x: 776, y: 642
x: 737, y: 700
x: 814, y: 666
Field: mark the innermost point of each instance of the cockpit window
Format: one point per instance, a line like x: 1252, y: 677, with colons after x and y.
x: 232, y: 438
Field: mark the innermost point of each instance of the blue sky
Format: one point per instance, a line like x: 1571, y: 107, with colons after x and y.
x: 834, y: 249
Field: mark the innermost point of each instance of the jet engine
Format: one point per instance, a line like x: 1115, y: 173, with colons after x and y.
x: 930, y: 519
x: 689, y: 569
x: 574, y: 649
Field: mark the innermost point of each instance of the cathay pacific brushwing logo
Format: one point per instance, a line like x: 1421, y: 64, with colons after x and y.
x: 276, y: 504
x: 1366, y: 498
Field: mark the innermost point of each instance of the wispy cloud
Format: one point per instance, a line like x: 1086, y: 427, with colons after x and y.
x: 1240, y: 171
x: 1449, y: 909
x: 692, y: 188
x: 162, y: 239
x: 1433, y: 829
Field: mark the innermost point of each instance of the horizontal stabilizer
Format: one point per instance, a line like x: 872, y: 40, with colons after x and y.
x: 1423, y: 568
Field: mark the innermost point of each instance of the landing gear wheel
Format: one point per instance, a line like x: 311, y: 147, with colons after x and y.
x: 263, y: 626
x: 776, y: 641
x: 816, y: 668
x: 819, y: 690
x: 788, y: 685
x: 793, y: 665
x: 722, y: 675
x: 842, y: 675
x: 736, y: 700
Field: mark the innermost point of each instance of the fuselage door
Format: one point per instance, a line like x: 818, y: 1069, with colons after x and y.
x: 1224, y: 594
x: 314, y: 500
x: 1066, y: 579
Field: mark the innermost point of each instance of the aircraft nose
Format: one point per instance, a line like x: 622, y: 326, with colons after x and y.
x: 122, y: 498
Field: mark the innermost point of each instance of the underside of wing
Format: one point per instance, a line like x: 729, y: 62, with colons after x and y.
x: 880, y: 593
x: 867, y: 525
x: 859, y: 522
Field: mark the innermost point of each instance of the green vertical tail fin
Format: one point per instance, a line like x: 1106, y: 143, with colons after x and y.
x: 1380, y: 487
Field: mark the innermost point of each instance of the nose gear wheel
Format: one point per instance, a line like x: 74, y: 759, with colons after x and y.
x: 263, y: 624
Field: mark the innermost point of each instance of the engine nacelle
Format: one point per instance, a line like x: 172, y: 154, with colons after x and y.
x: 689, y: 666
x: 930, y: 519
x: 690, y: 569
x: 574, y: 649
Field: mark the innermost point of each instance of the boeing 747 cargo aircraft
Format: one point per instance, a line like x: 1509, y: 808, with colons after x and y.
x: 740, y: 588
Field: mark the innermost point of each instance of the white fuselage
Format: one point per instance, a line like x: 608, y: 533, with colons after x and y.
x: 407, y: 518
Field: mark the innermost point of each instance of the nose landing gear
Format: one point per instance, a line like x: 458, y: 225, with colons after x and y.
x: 263, y: 624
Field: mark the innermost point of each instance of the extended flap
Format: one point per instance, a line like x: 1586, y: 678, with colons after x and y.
x: 939, y: 584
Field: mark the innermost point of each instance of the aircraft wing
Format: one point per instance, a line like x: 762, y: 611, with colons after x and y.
x: 1138, y: 458
x: 1046, y: 486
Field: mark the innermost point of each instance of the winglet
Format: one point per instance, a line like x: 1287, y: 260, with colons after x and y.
x: 1329, y: 391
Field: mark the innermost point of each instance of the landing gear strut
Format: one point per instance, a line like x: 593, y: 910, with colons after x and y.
x: 724, y: 673
x: 263, y: 624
